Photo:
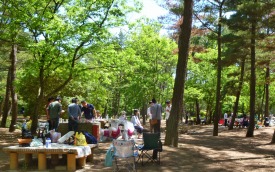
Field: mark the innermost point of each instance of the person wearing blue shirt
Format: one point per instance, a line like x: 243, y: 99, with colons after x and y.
x: 74, y: 113
x: 88, y: 110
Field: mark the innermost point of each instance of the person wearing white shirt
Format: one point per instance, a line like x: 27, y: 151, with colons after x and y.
x: 123, y: 116
x: 167, y: 109
x: 135, y: 120
x: 150, y: 115
x: 225, y: 119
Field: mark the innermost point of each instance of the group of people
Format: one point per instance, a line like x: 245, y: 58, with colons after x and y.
x: 75, y: 112
x: 154, y: 112
x: 227, y: 119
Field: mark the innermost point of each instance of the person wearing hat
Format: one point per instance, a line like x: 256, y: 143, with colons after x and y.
x: 55, y: 110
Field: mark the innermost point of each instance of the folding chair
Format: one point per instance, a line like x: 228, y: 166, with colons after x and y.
x: 152, y: 143
x: 124, y: 155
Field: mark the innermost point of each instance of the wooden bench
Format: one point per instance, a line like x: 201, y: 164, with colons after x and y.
x: 73, y: 152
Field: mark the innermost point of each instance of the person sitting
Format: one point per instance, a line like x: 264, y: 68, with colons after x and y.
x: 98, y: 115
x: 245, y: 121
x: 135, y: 120
x: 266, y: 122
x: 123, y: 116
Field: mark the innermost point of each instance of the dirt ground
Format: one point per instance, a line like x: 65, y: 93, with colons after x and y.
x: 198, y: 151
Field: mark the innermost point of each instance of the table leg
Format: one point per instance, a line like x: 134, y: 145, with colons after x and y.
x: 28, y: 158
x: 82, y: 161
x: 42, y: 161
x: 13, y: 160
x: 71, y: 164
x: 91, y: 157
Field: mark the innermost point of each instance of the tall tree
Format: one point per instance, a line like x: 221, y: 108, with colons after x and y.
x: 171, y: 137
x: 13, y: 58
x: 64, y: 34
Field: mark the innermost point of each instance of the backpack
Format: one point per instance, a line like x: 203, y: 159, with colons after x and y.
x: 90, y: 139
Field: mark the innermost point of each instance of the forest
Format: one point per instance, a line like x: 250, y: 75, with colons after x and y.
x: 88, y: 49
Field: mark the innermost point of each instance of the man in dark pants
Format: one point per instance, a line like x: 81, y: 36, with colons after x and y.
x: 156, y: 111
x: 74, y: 113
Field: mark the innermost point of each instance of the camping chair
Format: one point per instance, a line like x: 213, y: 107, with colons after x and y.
x: 152, y: 143
x: 124, y: 155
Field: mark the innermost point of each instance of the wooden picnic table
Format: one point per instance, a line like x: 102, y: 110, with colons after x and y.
x: 73, y: 152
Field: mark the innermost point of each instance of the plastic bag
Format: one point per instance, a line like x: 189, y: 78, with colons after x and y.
x: 36, y: 142
x: 28, y: 125
x: 109, y: 157
x: 55, y: 136
x: 80, y: 139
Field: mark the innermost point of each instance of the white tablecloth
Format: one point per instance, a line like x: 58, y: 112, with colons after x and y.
x: 80, y: 151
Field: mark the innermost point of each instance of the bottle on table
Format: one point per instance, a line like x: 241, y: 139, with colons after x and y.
x: 48, y: 143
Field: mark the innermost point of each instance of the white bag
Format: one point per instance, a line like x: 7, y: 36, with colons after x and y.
x: 65, y: 137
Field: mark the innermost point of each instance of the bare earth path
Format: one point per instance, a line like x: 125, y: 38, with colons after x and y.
x: 198, y: 151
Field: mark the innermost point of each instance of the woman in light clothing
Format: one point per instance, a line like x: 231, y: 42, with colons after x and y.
x: 135, y: 120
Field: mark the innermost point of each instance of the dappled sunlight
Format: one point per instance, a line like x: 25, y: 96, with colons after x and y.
x: 197, y: 151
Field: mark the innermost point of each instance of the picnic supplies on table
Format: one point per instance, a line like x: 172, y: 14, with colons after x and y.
x: 65, y: 137
x: 55, y: 136
x: 80, y: 139
x: 36, y: 143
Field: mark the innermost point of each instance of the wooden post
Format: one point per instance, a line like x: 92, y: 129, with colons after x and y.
x: 42, y: 161
x: 82, y: 162
x: 13, y: 160
x: 71, y: 164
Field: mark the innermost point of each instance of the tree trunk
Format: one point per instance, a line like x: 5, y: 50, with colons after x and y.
x: 198, y: 121
x: 6, y: 108
x: 267, y: 81
x: 238, y: 94
x: 171, y: 137
x: 144, y: 113
x: 273, y: 137
x: 39, y: 100
x: 14, y: 113
x: 219, y: 73
x: 1, y: 106
x: 250, y: 130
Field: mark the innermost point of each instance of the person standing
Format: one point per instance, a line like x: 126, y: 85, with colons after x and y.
x: 156, y: 111
x: 167, y: 109
x: 150, y: 115
x: 122, y: 116
x: 55, y: 110
x: 225, y: 119
x: 50, y: 100
x: 88, y: 110
x: 74, y: 114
